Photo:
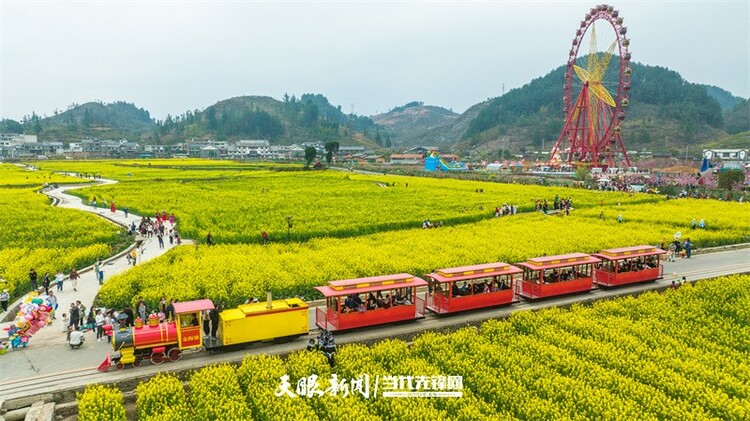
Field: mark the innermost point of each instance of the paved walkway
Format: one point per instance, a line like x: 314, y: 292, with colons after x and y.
x: 47, y: 350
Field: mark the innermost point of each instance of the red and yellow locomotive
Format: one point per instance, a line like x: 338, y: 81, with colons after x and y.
x: 156, y: 341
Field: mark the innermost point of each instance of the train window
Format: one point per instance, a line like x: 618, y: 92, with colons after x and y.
x: 583, y: 271
x: 607, y: 265
x: 531, y: 275
x: 333, y: 302
x: 189, y: 319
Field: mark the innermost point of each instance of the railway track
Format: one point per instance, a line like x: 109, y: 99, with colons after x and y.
x: 61, y: 386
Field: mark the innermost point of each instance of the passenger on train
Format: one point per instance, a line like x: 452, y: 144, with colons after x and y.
x: 397, y: 298
x: 349, y: 303
x: 381, y: 301
x: 372, y: 302
x: 455, y: 292
x: 478, y: 287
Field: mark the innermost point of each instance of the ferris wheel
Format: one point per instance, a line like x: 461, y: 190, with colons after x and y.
x: 595, y: 92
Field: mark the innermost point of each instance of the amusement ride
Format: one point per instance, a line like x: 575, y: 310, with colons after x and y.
x: 595, y: 93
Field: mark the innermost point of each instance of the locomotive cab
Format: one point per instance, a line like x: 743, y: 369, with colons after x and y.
x: 189, y: 319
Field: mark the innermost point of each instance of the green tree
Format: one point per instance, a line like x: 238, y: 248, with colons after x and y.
x: 212, y: 123
x: 378, y: 138
x: 331, y: 148
x: 310, y: 113
x: 310, y: 154
x: 10, y: 126
x: 36, y: 124
x: 87, y: 119
x: 583, y: 173
x: 729, y: 178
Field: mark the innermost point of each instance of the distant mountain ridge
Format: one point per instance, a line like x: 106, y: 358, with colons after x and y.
x: 665, y: 112
x: 407, y: 124
x: 311, y: 118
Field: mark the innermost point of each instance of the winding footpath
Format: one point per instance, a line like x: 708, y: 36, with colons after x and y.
x: 47, y: 351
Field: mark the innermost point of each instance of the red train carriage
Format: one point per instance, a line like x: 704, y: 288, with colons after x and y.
x: 370, y: 301
x: 551, y: 276
x: 628, y: 265
x: 472, y: 287
x: 158, y: 341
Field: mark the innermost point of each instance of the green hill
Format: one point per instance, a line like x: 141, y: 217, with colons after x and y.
x: 725, y: 98
x: 93, y: 119
x: 307, y: 119
x: 665, y: 113
x: 408, y: 125
x: 737, y: 118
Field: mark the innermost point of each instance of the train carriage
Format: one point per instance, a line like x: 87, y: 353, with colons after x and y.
x: 551, y: 276
x: 628, y: 265
x: 349, y: 303
x: 262, y: 321
x: 472, y: 287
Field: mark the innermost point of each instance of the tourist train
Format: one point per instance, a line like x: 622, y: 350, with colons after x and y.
x: 378, y: 300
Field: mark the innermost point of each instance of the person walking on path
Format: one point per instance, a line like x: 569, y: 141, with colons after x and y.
x: 52, y: 300
x: 4, y: 298
x: 99, y: 271
x: 126, y: 210
x: 65, y: 323
x: 99, y: 320
x: 81, y: 313
x: 688, y: 246
x: 163, y: 305
x: 112, y: 207
x: 59, y: 280
x: 46, y: 282
x: 97, y: 266
x: 140, y: 307
x: 74, y: 276
x: 133, y: 255
x: 170, y: 310
x: 74, y: 312
x: 671, y: 252
x: 32, y: 279
x: 160, y: 237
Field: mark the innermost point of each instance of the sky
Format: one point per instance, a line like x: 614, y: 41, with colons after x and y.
x: 368, y: 57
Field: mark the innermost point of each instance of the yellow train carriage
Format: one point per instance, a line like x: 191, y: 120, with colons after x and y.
x: 257, y: 322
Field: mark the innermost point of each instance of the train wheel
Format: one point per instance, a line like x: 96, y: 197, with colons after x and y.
x: 174, y: 354
x: 137, y: 363
x: 157, y: 358
x: 120, y: 366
